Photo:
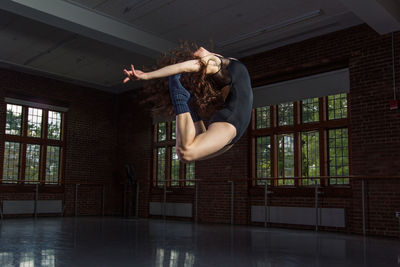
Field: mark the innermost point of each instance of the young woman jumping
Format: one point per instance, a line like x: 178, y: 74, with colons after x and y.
x: 226, y: 125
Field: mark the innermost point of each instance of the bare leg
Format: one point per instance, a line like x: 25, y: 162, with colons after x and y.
x: 204, y: 145
x: 185, y: 130
x: 190, y: 143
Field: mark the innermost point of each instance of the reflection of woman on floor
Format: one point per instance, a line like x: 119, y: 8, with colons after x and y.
x: 215, y: 74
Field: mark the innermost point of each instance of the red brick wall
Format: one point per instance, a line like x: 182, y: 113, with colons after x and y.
x: 135, y: 146
x: 374, y: 136
x: 90, y: 141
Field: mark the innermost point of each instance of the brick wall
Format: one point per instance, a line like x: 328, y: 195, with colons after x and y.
x: 135, y: 146
x: 374, y: 136
x: 90, y: 141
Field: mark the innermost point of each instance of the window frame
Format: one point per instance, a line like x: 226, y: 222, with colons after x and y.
x: 168, y: 143
x: 322, y: 127
x: 24, y: 140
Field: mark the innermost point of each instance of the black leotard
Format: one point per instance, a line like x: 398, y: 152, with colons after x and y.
x: 238, y: 104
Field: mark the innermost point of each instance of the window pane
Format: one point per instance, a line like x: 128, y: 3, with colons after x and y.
x: 160, y: 166
x: 262, y: 117
x: 338, y: 155
x: 34, y: 122
x: 310, y: 156
x: 285, y: 114
x: 54, y: 125
x: 161, y: 131
x: 286, y: 158
x: 263, y: 158
x: 52, y: 164
x: 310, y: 110
x: 174, y: 168
x: 173, y: 129
x: 11, y: 162
x: 14, y: 119
x: 190, y: 173
x: 32, y: 163
x: 337, y: 106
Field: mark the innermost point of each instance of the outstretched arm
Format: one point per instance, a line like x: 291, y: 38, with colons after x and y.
x: 187, y: 66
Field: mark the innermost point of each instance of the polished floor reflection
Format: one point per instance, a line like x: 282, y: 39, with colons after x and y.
x: 92, y: 241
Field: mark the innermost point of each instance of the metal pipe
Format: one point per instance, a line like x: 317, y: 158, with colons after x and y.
x: 364, y: 251
x: 316, y: 205
x: 266, y: 203
x: 165, y: 200
x: 232, y: 201
x: 36, y: 198
x: 1, y: 212
x: 76, y: 199
x: 196, y: 201
x: 363, y: 206
x: 393, y: 67
x: 124, y: 207
x: 102, y: 200
x: 137, y: 200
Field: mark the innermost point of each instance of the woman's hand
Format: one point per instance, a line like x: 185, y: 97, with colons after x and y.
x: 134, y: 75
x: 186, y: 66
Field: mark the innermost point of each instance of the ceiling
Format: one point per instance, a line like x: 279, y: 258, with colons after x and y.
x: 89, y: 42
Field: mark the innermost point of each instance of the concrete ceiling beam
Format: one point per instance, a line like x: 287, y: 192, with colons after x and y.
x: 89, y: 23
x: 382, y: 15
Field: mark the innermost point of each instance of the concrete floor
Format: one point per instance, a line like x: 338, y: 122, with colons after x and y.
x: 93, y: 241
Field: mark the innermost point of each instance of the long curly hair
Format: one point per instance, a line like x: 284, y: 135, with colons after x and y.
x: 207, y: 97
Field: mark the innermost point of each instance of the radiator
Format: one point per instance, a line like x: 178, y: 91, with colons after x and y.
x: 334, y: 217
x: 172, y: 209
x: 28, y: 206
